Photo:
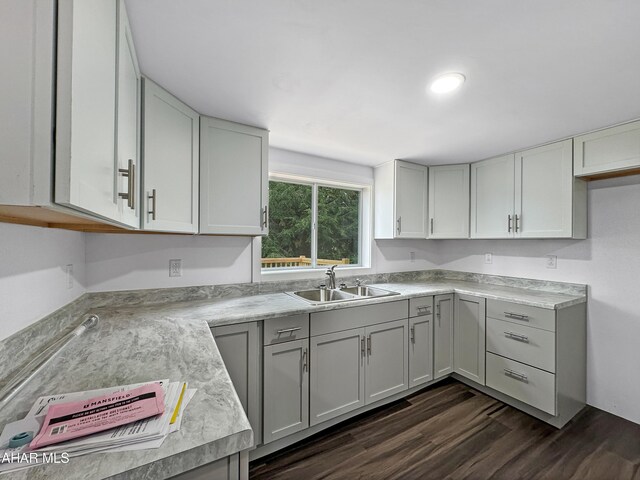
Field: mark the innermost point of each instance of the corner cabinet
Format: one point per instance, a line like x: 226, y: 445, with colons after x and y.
x: 449, y: 201
x: 171, y: 139
x: 96, y: 149
x: 469, y: 337
x: 530, y: 194
x: 234, y: 178
x: 239, y: 347
x: 400, y: 200
x: 443, y: 336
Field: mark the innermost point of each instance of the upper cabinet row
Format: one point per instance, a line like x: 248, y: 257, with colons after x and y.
x: 106, y: 146
x: 530, y: 194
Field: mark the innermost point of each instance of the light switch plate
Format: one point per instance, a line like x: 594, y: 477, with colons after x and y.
x: 175, y: 267
x: 552, y: 261
x: 488, y: 258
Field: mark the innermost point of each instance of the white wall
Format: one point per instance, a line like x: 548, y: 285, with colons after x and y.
x: 608, y: 261
x: 128, y: 262
x: 33, y: 279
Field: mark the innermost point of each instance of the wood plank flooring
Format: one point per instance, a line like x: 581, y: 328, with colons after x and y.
x: 451, y: 431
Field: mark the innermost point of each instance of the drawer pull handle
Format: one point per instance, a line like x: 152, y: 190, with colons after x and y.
x: 518, y: 376
x: 424, y: 310
x: 288, y: 330
x: 517, y: 316
x: 517, y: 336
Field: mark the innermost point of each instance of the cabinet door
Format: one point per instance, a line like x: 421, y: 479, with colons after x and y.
x: 387, y: 369
x: 544, y: 191
x: 421, y: 348
x: 609, y: 150
x: 337, y: 374
x: 171, y: 161
x: 239, y: 347
x: 449, y: 201
x: 410, y: 200
x: 443, y: 336
x: 86, y: 167
x: 233, y: 178
x: 127, y: 122
x: 492, y: 198
x: 469, y: 337
x: 286, y: 389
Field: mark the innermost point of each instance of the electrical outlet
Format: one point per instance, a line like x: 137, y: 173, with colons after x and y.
x: 175, y: 267
x: 412, y: 256
x: 552, y: 261
x: 69, y: 271
x: 488, y: 258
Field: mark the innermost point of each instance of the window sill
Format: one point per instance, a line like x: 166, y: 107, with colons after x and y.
x: 311, y: 273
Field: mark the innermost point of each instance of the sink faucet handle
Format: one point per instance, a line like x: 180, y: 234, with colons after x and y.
x: 358, y: 282
x: 322, y: 286
x: 343, y: 285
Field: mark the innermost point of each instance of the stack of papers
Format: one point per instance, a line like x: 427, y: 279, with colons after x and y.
x: 142, y: 434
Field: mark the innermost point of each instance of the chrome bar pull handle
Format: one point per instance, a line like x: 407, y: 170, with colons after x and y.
x: 432, y: 226
x: 362, y: 347
x: 369, y: 345
x: 399, y: 225
x: 152, y: 201
x: 517, y: 316
x: 265, y: 216
x: 130, y: 174
x: 413, y: 334
x: 305, y: 360
x: 509, y: 224
x: 288, y: 330
x: 517, y: 220
x: 517, y: 336
x: 518, y: 376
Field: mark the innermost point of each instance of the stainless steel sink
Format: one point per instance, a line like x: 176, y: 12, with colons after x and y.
x: 326, y: 295
x: 365, y: 291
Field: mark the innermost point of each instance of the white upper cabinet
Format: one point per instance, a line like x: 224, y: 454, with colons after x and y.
x: 401, y: 200
x: 128, y: 122
x: 234, y: 178
x: 171, y: 132
x: 449, y: 201
x: 612, y: 150
x: 544, y: 192
x: 531, y: 194
x: 492, y: 198
x: 97, y: 111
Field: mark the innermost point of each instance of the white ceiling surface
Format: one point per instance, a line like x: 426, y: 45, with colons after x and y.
x: 346, y: 79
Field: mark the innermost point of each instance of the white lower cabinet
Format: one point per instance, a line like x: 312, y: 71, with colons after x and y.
x: 469, y: 337
x: 239, y: 347
x: 337, y: 374
x: 386, y: 369
x: 286, y: 389
x: 443, y: 336
x: 421, y: 342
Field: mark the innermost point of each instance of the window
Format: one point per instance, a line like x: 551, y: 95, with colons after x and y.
x: 312, y: 225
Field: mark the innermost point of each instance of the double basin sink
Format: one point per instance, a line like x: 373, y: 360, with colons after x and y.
x: 317, y: 296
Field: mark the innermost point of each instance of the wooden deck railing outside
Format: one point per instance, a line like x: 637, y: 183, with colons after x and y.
x: 300, y: 261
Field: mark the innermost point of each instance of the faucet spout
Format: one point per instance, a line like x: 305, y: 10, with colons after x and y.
x: 332, y: 276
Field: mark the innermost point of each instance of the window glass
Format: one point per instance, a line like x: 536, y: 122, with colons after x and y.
x: 338, y: 226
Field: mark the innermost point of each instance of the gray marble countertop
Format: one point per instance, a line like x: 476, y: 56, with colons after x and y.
x: 226, y: 311
x: 131, y: 347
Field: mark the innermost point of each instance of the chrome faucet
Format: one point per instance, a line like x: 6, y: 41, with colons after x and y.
x: 332, y: 276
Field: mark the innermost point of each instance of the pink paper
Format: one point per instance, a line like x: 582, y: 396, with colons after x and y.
x: 66, y: 421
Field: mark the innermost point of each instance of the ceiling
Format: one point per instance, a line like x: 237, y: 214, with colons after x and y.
x: 346, y: 79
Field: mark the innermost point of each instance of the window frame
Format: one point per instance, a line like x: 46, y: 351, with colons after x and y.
x: 315, y: 183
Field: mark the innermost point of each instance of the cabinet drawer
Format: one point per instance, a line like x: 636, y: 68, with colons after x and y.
x: 286, y: 329
x: 530, y: 385
x: 421, y: 306
x: 524, y: 314
x: 532, y: 346
x: 356, y: 317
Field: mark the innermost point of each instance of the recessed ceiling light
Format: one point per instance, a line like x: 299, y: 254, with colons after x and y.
x: 447, y: 82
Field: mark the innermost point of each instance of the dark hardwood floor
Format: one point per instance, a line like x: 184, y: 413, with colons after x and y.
x: 451, y: 431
